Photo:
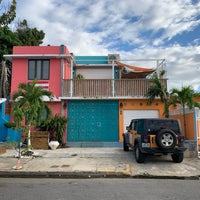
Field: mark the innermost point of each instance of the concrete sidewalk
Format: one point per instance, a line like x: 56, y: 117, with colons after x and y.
x: 96, y: 162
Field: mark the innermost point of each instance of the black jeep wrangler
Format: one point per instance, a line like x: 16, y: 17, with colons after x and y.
x: 156, y: 137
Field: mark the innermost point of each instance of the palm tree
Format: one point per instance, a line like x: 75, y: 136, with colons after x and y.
x: 28, y: 105
x: 184, y: 97
x: 157, y: 89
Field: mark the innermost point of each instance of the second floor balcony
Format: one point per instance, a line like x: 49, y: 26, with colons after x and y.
x: 106, y: 88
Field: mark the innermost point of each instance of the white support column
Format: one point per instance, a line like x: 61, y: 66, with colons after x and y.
x: 62, y: 75
x: 113, y: 78
x: 71, y: 78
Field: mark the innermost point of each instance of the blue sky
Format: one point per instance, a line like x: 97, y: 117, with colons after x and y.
x: 135, y: 29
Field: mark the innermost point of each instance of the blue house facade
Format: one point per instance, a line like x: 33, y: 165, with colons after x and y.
x: 3, y: 119
x: 7, y: 134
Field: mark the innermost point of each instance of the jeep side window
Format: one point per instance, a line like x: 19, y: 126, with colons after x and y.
x: 135, y: 126
x: 128, y: 128
x: 140, y: 127
x: 131, y: 126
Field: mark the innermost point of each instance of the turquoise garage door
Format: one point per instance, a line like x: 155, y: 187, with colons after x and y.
x: 92, y: 121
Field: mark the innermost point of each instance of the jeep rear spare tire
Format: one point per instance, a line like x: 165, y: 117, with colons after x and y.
x: 166, y: 139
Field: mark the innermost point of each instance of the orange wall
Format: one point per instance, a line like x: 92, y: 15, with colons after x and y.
x: 137, y: 104
x: 189, y: 125
x: 197, y: 99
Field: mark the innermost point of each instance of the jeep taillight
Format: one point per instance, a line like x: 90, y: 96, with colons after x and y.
x: 181, y: 138
x: 146, y: 138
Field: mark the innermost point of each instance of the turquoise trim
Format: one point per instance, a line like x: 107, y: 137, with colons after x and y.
x: 95, y: 144
x: 91, y: 59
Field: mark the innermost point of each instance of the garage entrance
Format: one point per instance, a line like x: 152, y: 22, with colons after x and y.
x: 133, y: 114
x: 92, y: 120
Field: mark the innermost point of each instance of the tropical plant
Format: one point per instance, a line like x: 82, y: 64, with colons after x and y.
x: 56, y: 127
x: 28, y: 105
x: 79, y: 77
x: 10, y: 124
x: 158, y: 89
x: 184, y: 97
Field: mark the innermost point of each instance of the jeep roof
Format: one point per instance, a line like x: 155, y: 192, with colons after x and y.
x: 153, y: 125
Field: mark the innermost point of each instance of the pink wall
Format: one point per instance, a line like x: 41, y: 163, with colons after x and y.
x: 20, y: 67
x: 38, y: 50
x: 20, y: 71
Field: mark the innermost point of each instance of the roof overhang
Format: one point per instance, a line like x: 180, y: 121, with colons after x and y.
x: 87, y: 66
x: 38, y: 56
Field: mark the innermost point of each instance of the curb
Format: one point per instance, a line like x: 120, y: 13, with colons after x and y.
x: 87, y: 175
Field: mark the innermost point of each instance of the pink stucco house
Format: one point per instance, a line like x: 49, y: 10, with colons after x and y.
x: 48, y: 64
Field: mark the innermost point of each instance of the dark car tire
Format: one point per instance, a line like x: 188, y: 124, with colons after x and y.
x: 125, y: 145
x: 166, y: 139
x: 139, y: 156
x: 177, y: 157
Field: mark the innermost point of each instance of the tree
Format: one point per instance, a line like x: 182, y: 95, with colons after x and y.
x: 24, y: 35
x: 184, y: 97
x: 7, y: 41
x: 29, y: 36
x: 4, y: 81
x: 7, y: 38
x: 158, y: 89
x: 8, y: 16
x: 28, y: 105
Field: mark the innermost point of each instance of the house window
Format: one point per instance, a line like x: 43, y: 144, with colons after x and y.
x: 38, y: 69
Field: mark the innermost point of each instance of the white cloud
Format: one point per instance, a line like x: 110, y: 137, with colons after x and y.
x: 99, y: 27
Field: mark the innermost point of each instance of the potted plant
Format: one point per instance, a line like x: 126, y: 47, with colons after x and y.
x: 56, y: 127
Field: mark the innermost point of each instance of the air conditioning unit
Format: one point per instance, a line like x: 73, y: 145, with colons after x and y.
x: 112, y: 57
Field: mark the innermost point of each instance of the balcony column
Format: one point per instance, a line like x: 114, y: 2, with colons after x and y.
x: 71, y: 78
x: 62, y: 75
x: 113, y: 78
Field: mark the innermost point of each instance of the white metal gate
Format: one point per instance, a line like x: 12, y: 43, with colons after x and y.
x: 133, y: 114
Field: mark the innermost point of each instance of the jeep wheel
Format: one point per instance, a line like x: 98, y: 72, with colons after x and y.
x: 125, y: 145
x: 139, y: 156
x: 177, y: 157
x: 166, y: 139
